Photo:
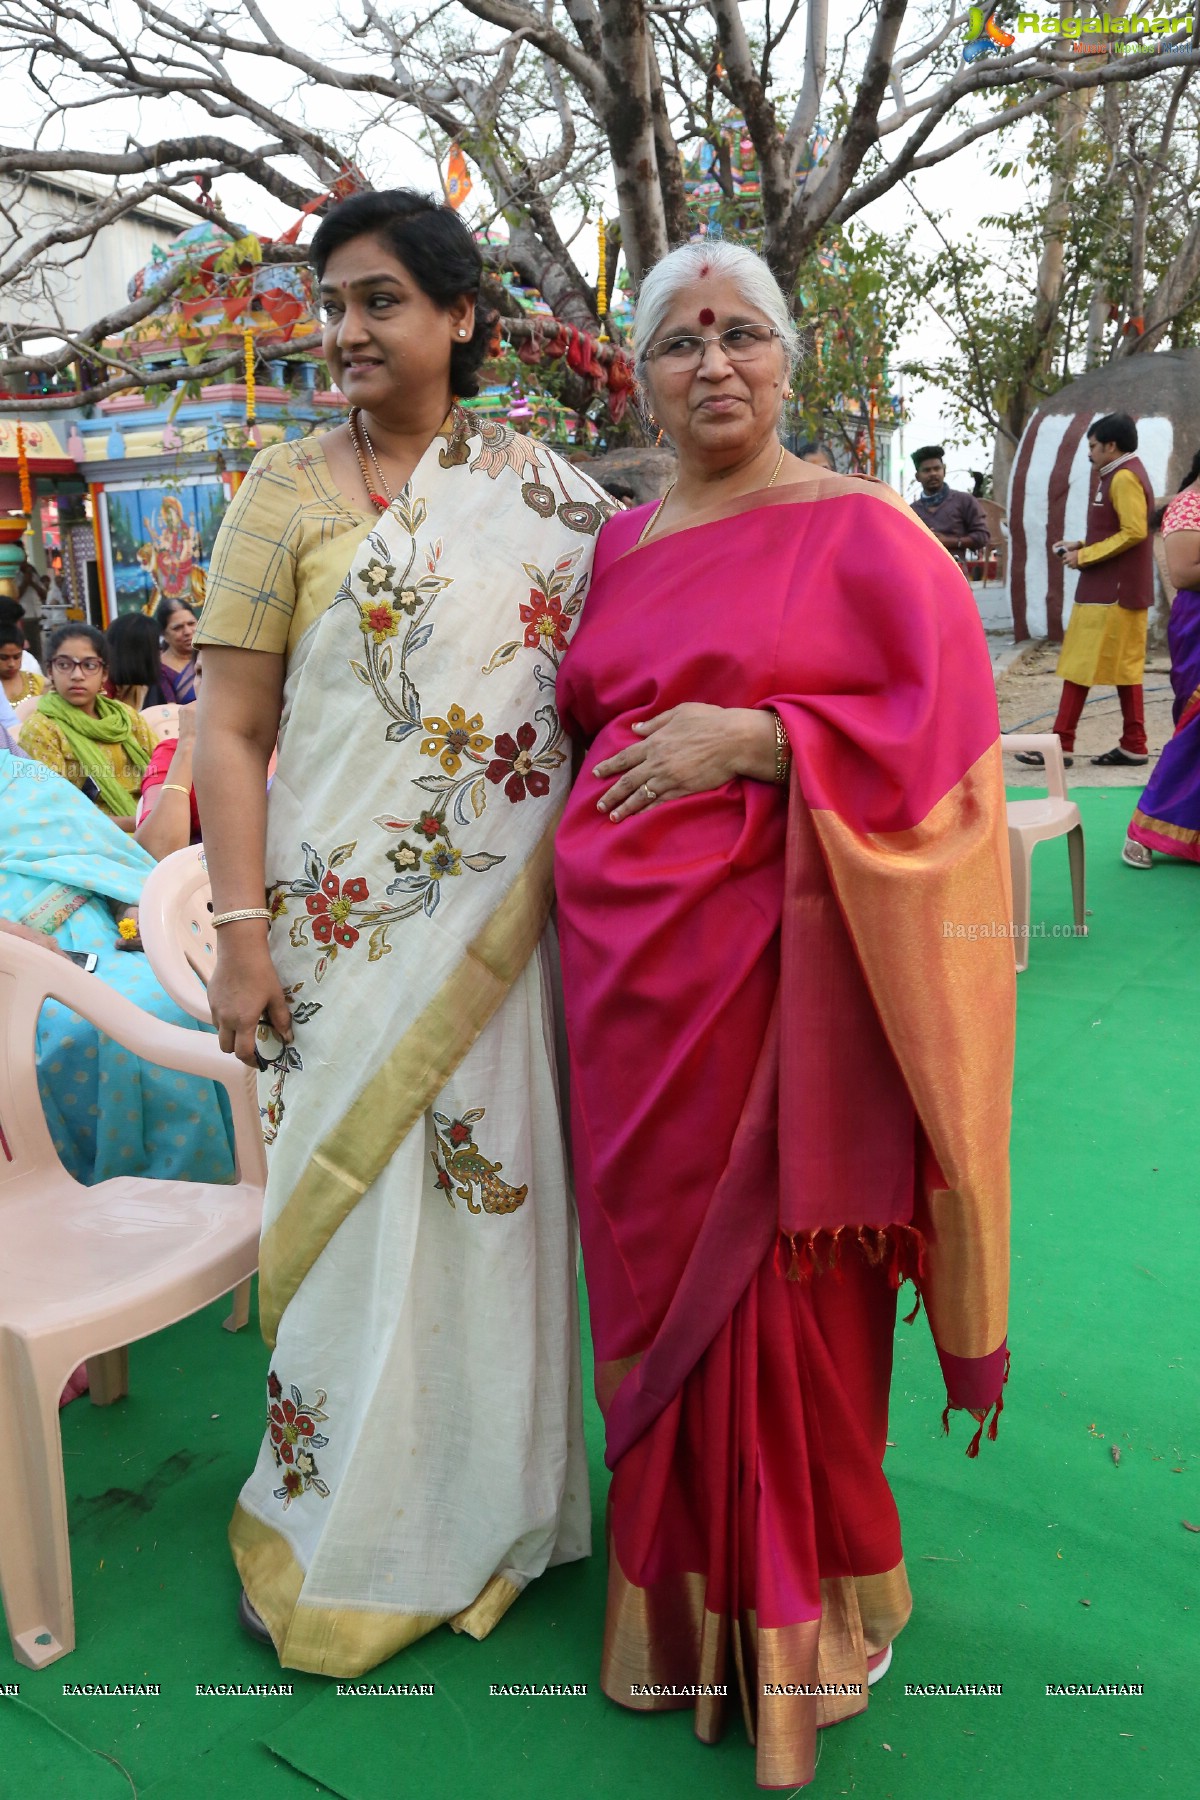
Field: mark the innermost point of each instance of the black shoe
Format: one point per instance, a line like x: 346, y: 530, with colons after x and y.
x: 250, y: 1622
x: 1036, y: 760
x: 1119, y: 759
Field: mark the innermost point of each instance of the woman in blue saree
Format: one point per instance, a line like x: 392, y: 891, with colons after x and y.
x: 68, y: 873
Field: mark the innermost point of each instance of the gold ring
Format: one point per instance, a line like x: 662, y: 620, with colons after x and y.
x: 649, y: 791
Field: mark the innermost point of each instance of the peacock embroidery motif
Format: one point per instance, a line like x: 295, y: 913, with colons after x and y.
x: 463, y: 1167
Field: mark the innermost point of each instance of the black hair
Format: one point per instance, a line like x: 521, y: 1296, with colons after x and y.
x: 165, y: 611
x: 810, y: 445
x: 11, y: 612
x: 9, y: 634
x: 63, y: 633
x: 437, y: 250
x: 1193, y: 474
x: 927, y: 451
x: 1115, y: 428
x: 134, y: 659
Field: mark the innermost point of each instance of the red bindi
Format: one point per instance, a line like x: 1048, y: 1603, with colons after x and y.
x: 704, y: 268
x: 707, y: 315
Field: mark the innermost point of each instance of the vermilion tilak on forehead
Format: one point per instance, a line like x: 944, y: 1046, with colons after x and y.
x: 707, y: 315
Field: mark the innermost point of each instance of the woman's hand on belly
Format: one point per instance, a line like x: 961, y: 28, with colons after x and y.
x: 691, y: 749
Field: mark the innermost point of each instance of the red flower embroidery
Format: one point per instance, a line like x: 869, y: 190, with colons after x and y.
x: 293, y: 1434
x: 459, y: 1133
x: 514, y: 764
x: 429, y: 825
x: 330, y: 909
x: 544, y: 624
x: 443, y: 1180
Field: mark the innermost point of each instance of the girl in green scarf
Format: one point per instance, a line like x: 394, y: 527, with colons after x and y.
x: 100, y: 745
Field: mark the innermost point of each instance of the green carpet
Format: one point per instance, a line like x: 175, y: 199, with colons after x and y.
x: 1042, y: 1562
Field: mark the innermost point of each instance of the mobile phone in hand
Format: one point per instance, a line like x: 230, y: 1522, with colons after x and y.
x: 83, y: 959
x: 90, y: 790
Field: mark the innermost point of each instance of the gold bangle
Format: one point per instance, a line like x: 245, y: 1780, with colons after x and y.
x: 783, y: 752
x: 176, y: 787
x: 241, y: 912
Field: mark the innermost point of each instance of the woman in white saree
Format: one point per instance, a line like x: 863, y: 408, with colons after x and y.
x: 393, y: 599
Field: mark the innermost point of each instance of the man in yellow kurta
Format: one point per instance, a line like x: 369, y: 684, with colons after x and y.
x: 1105, y: 643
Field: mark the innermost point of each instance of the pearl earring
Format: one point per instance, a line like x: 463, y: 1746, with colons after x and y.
x: 462, y: 331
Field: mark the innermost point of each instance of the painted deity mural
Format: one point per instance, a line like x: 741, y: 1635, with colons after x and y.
x: 161, y: 540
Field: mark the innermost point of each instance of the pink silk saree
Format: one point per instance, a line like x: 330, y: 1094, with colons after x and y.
x: 791, y: 1049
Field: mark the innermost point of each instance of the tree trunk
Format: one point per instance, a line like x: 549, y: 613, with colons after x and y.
x: 629, y: 125
x: 559, y: 286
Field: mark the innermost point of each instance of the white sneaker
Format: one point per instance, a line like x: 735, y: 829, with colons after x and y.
x: 880, y: 1669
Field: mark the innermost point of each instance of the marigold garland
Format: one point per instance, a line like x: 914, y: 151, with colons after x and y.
x: 23, y: 472
x: 602, y: 278
x: 248, y: 347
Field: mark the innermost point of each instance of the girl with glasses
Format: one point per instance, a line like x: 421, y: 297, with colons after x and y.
x: 100, y: 745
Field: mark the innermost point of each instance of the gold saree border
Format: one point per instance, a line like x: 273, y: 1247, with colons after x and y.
x: 342, y: 1641
x: 486, y: 1611
x: 349, y: 1158
x: 948, y: 1006
x: 665, y: 1636
x: 1182, y: 834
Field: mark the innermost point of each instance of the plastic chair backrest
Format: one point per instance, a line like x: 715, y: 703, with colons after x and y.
x: 175, y: 918
x: 1050, y: 747
x: 163, y: 720
x: 29, y: 975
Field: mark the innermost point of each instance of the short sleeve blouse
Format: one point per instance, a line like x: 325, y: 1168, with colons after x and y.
x: 286, y: 537
x: 1183, y: 512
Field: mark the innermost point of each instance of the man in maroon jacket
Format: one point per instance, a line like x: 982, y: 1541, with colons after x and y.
x: 1105, y: 642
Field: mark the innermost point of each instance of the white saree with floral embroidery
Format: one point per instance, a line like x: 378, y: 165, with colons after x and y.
x: 423, y: 1458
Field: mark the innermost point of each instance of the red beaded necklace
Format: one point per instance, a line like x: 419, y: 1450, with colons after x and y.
x: 383, y: 499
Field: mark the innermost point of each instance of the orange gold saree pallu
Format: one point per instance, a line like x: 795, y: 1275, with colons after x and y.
x: 791, y: 1083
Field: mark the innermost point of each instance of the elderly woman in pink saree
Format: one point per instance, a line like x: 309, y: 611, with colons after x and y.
x: 784, y: 904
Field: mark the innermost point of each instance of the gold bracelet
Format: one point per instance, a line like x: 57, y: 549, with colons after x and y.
x: 241, y: 912
x: 783, y: 752
x: 176, y: 788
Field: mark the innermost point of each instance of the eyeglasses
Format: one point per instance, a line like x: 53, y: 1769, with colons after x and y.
x: 64, y: 665
x: 740, y: 343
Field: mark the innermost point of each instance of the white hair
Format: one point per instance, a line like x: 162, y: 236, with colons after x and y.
x: 681, y: 269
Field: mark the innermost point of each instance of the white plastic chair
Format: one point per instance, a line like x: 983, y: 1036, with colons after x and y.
x: 1031, y: 821
x: 84, y: 1271
x: 175, y: 922
x: 175, y: 925
x: 163, y: 720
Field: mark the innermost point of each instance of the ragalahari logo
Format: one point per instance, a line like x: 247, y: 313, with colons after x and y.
x: 984, y: 36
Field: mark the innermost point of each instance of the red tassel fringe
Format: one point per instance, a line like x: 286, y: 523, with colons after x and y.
x: 993, y: 1428
x: 820, y: 1252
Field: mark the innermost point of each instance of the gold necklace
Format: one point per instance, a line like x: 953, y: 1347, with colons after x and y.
x: 652, y: 521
